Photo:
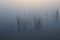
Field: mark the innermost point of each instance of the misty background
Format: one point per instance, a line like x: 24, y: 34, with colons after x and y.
x: 17, y: 19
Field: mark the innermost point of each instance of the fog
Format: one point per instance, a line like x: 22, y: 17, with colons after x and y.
x: 33, y: 19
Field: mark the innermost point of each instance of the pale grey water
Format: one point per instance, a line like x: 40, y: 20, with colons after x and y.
x: 50, y: 27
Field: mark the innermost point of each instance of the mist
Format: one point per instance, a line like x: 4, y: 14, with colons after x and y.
x: 29, y: 19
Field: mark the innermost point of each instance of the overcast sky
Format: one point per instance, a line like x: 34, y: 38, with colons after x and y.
x: 29, y: 4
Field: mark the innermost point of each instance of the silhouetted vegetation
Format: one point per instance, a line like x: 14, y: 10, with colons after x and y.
x: 57, y: 15
x: 18, y: 23
x: 37, y: 24
x: 46, y: 13
x: 23, y: 24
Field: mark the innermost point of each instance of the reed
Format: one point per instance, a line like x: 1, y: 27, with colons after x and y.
x: 18, y: 23
x: 37, y: 24
x: 57, y: 15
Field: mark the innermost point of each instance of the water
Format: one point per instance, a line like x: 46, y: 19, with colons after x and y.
x: 48, y: 28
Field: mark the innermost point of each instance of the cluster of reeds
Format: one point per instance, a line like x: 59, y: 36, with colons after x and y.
x: 24, y: 24
x: 56, y: 15
x: 37, y: 24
